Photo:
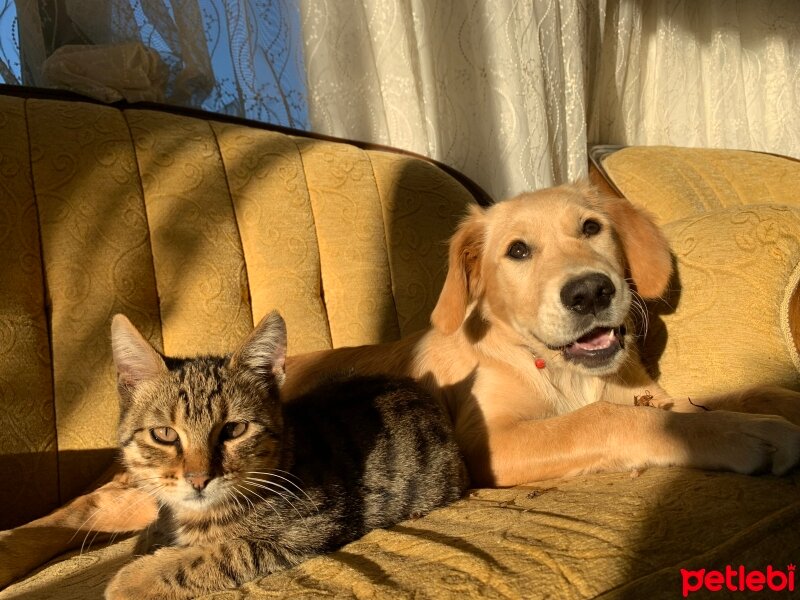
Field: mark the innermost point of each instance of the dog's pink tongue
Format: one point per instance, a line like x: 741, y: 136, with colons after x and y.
x: 597, y: 339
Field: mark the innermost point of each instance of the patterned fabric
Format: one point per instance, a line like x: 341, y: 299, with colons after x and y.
x: 608, y: 536
x: 674, y: 183
x: 507, y: 92
x: 28, y: 439
x: 729, y: 302
x: 235, y: 57
x: 193, y: 229
x: 700, y: 74
x: 494, y: 89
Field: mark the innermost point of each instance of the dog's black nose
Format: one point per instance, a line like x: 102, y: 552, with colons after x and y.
x: 588, y: 293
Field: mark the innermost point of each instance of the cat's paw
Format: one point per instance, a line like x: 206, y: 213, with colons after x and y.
x: 169, y: 574
x: 125, y: 584
x: 141, y: 580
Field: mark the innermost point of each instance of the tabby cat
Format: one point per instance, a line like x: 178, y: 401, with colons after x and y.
x: 247, y: 485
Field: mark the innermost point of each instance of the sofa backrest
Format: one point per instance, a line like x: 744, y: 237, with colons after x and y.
x: 194, y: 228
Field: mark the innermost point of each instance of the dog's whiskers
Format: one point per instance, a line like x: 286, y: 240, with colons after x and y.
x: 640, y: 313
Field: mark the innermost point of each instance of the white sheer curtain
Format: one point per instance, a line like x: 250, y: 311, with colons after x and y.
x: 494, y: 88
x: 510, y: 92
x: 240, y: 57
x: 722, y: 74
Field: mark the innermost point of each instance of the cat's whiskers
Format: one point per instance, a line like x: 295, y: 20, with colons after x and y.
x: 264, y: 500
x: 289, y: 481
x: 237, y: 494
x: 229, y: 497
x: 269, y: 487
x: 94, y: 515
x: 274, y: 470
x: 275, y: 486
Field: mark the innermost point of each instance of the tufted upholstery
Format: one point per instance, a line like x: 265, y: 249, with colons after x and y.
x: 676, y: 183
x: 194, y: 229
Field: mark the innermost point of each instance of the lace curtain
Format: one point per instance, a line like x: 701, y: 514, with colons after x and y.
x: 493, y: 88
x: 239, y: 57
x: 508, y: 92
x: 722, y: 74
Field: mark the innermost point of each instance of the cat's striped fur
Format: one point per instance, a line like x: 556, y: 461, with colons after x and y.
x: 248, y: 486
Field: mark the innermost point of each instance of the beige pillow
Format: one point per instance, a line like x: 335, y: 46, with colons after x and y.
x: 727, y: 324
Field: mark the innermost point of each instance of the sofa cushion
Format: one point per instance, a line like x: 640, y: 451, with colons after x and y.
x: 679, y: 182
x: 726, y: 323
x: 586, y: 537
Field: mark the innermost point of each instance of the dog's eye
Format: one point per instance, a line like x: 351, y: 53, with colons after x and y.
x: 518, y: 250
x: 591, y: 227
x: 164, y: 435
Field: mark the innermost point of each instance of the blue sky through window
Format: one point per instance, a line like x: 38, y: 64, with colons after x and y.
x: 10, y: 69
x: 255, y: 48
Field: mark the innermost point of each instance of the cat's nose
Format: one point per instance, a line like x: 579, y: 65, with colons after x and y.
x: 198, y: 481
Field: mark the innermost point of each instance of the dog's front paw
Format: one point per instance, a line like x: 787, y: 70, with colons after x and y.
x: 757, y: 443
x: 23, y: 549
x: 12, y: 566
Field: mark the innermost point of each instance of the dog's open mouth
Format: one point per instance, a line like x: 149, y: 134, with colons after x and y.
x: 597, y: 346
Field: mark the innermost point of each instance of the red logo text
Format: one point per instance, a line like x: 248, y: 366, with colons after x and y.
x: 738, y: 580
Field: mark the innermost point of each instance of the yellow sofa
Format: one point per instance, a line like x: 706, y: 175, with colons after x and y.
x: 195, y: 226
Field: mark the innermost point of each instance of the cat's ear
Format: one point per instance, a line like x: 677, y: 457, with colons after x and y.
x: 264, y: 351
x: 136, y: 360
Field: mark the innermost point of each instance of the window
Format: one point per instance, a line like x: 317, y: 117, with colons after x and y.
x: 237, y: 57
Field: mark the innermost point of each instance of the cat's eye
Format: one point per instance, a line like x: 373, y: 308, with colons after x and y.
x: 232, y: 431
x: 591, y: 227
x: 518, y: 250
x: 164, y: 435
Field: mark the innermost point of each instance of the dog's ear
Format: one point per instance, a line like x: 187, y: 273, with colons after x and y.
x: 463, y: 282
x: 645, y: 247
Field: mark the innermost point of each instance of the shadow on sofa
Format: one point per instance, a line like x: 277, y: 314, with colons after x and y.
x: 38, y: 501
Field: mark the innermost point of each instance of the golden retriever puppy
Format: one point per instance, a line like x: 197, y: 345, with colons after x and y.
x: 533, y: 351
